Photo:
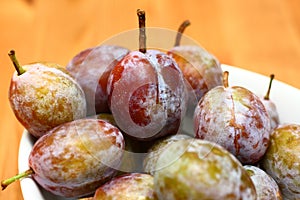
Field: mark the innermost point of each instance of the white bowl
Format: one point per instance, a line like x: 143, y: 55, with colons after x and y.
x: 286, y: 98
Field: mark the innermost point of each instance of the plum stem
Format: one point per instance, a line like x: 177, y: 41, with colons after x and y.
x: 13, y: 58
x: 225, y: 79
x: 9, y: 181
x: 267, y: 96
x: 180, y: 31
x: 142, y: 34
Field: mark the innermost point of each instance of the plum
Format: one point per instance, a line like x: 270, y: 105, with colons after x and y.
x: 282, y: 159
x: 200, y: 169
x: 130, y: 186
x: 201, y: 69
x: 265, y: 186
x: 75, y: 158
x: 42, y: 96
x: 149, y: 163
x: 146, y: 93
x: 235, y: 118
x: 271, y: 106
x: 91, y: 67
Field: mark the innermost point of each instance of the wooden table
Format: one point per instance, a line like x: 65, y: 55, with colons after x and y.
x: 262, y: 36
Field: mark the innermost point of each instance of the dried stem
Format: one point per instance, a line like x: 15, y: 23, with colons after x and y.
x: 225, y: 79
x: 180, y: 31
x: 142, y: 36
x: 267, y: 96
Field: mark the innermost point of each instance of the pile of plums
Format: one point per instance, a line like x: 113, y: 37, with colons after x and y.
x: 109, y: 126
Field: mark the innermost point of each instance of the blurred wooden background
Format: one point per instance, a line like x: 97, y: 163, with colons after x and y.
x: 262, y: 36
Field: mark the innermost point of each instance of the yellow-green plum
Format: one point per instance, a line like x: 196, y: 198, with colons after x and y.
x: 42, y: 96
x: 75, y: 158
x: 282, y: 159
x: 199, y: 169
x: 149, y: 162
